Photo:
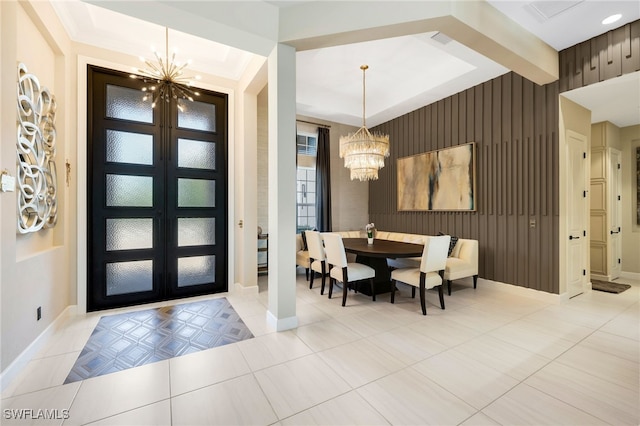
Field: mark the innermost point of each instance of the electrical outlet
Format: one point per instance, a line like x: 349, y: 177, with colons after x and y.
x: 39, y: 313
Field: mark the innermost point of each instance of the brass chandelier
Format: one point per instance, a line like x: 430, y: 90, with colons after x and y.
x: 364, y: 152
x: 164, y: 79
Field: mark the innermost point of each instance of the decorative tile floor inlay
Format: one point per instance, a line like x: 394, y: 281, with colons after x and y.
x: 133, y: 339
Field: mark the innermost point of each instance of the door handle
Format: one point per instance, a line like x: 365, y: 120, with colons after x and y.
x: 571, y: 237
x: 616, y: 232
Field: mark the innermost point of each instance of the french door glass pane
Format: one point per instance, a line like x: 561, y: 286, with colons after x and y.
x: 129, y: 277
x: 127, y: 104
x: 196, y: 154
x: 129, y: 191
x: 196, y: 270
x: 196, y: 193
x: 197, y: 116
x: 127, y: 147
x: 129, y: 234
x: 199, y: 231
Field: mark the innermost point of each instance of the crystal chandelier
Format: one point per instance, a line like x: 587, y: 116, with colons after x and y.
x: 364, y: 152
x: 164, y: 79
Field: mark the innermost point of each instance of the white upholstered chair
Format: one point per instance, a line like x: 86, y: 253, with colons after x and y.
x: 317, y: 257
x: 429, y: 274
x: 343, y: 271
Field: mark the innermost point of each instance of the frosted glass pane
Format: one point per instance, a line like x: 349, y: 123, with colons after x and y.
x: 200, y: 231
x: 129, y: 234
x: 197, y: 115
x: 196, y: 270
x: 196, y: 193
x: 127, y: 104
x: 196, y: 154
x: 126, y: 147
x: 129, y: 191
x: 129, y: 277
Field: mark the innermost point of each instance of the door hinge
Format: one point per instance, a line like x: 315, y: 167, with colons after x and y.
x: 584, y: 272
x: 584, y: 233
x: 619, y: 260
x: 584, y: 194
x: 584, y: 155
x: 618, y: 166
x: 618, y: 198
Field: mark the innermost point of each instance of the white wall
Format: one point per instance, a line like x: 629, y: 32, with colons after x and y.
x: 629, y: 142
x: 35, y: 267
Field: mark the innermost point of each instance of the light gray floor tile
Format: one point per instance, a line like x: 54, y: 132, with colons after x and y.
x: 361, y: 362
x: 348, y: 409
x: 25, y: 409
x: 503, y: 356
x: 610, y: 402
x: 238, y: 401
x: 525, y: 405
x: 157, y: 414
x: 204, y: 368
x: 300, y: 384
x: 271, y: 349
x: 111, y: 394
x: 472, y: 382
x: 409, y: 398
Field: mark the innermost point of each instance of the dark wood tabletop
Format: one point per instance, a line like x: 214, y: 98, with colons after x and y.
x: 382, y: 248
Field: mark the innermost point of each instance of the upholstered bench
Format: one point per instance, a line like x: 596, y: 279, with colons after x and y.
x: 462, y: 263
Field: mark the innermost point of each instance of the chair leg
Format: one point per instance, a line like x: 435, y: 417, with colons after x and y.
x: 324, y: 275
x: 313, y: 274
x: 393, y: 291
x: 449, y: 287
x: 413, y: 292
x: 345, y: 284
x: 475, y: 281
x: 423, y: 303
x: 373, y: 289
x: 306, y: 273
x: 441, y: 294
x: 344, y: 293
x: 331, y: 280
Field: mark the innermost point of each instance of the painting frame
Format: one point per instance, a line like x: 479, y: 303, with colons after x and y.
x: 422, y: 177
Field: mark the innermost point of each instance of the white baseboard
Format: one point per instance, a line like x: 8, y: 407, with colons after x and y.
x: 600, y: 277
x: 239, y: 288
x: 523, y: 291
x: 21, y: 361
x: 281, y: 324
x: 630, y: 275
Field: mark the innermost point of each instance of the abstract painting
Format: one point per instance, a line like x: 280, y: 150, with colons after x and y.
x: 438, y: 180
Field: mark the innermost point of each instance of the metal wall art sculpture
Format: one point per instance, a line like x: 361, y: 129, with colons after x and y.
x: 36, y: 149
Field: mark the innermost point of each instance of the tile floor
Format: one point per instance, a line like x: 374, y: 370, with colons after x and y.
x: 131, y: 339
x: 490, y: 358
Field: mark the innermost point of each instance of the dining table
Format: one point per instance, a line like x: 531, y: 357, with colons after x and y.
x: 376, y: 254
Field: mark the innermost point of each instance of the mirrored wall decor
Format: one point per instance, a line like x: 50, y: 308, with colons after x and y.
x: 36, y: 151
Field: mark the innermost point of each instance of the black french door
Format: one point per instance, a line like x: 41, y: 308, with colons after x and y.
x: 157, y: 194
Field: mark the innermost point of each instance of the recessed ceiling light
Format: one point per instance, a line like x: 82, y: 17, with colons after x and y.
x: 611, y: 19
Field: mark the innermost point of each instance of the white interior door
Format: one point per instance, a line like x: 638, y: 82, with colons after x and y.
x: 615, y: 214
x: 577, y: 211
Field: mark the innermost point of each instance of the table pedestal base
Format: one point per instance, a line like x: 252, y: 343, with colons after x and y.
x: 382, y: 280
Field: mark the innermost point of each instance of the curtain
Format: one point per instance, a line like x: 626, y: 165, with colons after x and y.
x: 323, y: 181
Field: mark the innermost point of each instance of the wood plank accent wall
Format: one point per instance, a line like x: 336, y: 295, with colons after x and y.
x: 514, y: 123
x: 606, y: 56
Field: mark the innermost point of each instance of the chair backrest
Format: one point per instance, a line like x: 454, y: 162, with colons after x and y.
x: 334, y: 248
x: 434, y: 255
x: 314, y: 244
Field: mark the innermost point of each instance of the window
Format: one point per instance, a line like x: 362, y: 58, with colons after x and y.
x: 306, y: 181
